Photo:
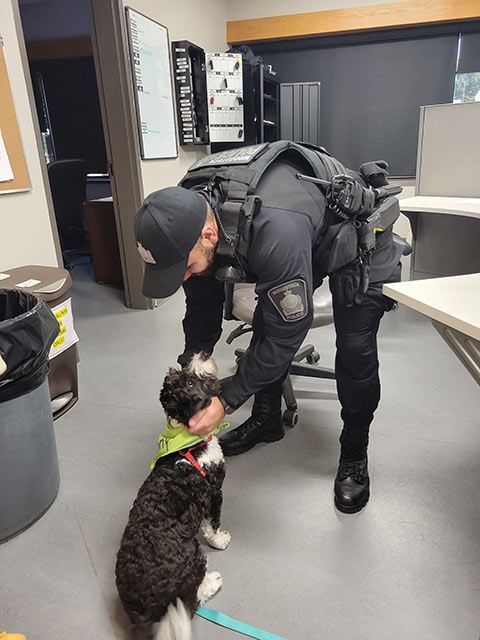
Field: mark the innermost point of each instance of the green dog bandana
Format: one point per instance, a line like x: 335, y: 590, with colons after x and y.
x: 179, y: 437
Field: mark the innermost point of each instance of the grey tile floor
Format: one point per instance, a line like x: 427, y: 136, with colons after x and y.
x: 406, y: 567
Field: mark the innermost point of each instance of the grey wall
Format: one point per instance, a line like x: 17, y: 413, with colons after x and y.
x: 49, y: 19
x: 371, y: 93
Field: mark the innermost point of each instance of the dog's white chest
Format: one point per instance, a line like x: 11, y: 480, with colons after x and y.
x: 212, y: 455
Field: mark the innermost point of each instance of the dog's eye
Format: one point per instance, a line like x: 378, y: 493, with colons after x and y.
x: 190, y: 383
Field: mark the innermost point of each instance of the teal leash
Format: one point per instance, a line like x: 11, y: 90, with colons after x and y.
x: 235, y: 625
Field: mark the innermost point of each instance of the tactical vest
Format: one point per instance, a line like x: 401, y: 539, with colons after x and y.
x: 237, y: 172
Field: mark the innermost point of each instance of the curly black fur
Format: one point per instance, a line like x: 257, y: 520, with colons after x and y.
x: 160, y: 558
x: 184, y: 393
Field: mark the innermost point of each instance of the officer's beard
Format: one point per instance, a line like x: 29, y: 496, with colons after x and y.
x: 209, y: 253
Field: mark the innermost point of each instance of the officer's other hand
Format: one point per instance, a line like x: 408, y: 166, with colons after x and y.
x: 206, y: 420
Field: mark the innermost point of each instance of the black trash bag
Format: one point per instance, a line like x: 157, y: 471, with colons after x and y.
x: 27, y: 331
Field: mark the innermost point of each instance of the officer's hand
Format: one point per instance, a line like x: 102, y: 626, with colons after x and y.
x: 206, y: 420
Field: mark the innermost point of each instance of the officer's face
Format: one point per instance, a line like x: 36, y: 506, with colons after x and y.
x: 199, y: 259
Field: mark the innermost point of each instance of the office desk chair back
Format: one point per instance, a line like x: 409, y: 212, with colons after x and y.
x: 240, y: 302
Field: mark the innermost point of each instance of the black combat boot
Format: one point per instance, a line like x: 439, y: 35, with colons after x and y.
x: 264, y: 425
x: 352, y: 485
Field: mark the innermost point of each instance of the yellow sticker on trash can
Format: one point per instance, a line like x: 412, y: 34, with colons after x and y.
x: 67, y: 335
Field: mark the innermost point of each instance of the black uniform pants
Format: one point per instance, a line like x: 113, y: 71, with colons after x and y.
x: 356, y: 367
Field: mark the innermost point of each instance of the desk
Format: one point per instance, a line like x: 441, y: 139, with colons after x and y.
x: 453, y: 305
x: 102, y: 232
x: 98, y: 186
x: 446, y: 235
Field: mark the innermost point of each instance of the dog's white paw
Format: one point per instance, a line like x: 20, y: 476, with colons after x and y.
x: 220, y: 540
x: 211, y: 583
x: 216, y: 539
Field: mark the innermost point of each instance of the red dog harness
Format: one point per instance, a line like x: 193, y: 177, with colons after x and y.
x: 188, y: 455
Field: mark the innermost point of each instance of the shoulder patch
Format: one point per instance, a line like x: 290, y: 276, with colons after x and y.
x: 290, y: 300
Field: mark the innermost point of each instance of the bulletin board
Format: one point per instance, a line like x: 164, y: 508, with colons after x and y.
x: 13, y: 168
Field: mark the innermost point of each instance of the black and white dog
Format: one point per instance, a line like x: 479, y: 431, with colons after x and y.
x: 161, y: 571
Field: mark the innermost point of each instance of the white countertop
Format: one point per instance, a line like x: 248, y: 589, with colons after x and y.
x: 469, y: 207
x: 453, y: 301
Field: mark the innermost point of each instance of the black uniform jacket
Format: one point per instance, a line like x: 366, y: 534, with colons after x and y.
x: 291, y: 220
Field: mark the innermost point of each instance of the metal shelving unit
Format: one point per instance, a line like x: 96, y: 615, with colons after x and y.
x: 268, y: 124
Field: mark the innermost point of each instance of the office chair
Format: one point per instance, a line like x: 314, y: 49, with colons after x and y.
x: 68, y: 184
x: 240, y: 302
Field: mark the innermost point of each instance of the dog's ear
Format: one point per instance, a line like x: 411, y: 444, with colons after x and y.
x: 165, y: 392
x: 171, y: 377
x: 172, y: 371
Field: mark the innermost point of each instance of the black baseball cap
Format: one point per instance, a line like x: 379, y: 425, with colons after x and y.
x: 167, y: 227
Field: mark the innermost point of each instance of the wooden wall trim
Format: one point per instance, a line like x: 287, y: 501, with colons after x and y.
x: 80, y: 47
x: 367, y: 18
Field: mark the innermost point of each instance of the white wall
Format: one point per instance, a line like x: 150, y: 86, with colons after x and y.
x: 254, y: 9
x: 26, y: 235
x: 203, y: 23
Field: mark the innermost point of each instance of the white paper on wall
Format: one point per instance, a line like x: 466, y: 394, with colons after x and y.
x: 225, y: 97
x: 67, y: 334
x: 6, y: 172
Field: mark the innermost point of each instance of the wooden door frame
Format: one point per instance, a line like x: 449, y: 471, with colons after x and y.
x: 110, y: 52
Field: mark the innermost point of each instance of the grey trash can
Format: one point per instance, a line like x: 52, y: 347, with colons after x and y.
x: 51, y: 284
x: 28, y: 456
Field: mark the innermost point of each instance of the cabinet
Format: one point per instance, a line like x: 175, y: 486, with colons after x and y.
x: 102, y: 232
x: 261, y: 107
x: 300, y: 112
x: 268, y: 126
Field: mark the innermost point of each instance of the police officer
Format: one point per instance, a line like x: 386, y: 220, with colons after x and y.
x: 178, y: 234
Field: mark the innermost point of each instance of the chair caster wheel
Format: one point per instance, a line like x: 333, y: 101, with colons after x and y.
x: 290, y: 418
x: 313, y: 357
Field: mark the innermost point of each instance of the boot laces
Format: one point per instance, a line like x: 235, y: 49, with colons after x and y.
x: 262, y: 409
x: 351, y: 469
x: 250, y: 424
